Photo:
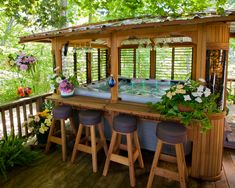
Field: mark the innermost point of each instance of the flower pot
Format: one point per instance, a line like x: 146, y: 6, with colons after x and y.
x: 63, y: 94
x: 42, y: 138
x: 183, y: 108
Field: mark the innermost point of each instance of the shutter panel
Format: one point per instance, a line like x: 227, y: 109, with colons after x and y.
x: 81, y: 67
x: 143, y: 63
x: 94, y: 65
x: 163, y: 63
x: 183, y: 63
x: 103, y: 62
x: 127, y: 62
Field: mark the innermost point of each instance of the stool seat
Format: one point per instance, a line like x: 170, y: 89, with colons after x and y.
x: 124, y: 124
x: 62, y: 112
x: 90, y: 117
x: 171, y: 132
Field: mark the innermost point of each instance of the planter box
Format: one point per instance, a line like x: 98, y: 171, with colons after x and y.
x: 207, y: 150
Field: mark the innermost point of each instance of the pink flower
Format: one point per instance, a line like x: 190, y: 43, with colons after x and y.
x: 23, y: 67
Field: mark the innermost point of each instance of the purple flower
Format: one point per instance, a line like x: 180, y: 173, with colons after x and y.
x: 23, y: 67
x: 65, y: 86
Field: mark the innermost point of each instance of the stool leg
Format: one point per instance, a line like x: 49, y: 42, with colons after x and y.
x: 117, y: 145
x: 93, y: 148
x: 154, y: 164
x: 63, y: 138
x: 180, y: 164
x: 137, y: 145
x: 185, y: 166
x: 130, y: 158
x: 49, y: 136
x: 110, y: 151
x: 72, y: 124
x: 102, y: 137
x: 78, y: 137
x: 87, y: 132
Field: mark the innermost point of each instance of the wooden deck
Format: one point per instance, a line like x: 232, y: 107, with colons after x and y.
x: 51, y: 172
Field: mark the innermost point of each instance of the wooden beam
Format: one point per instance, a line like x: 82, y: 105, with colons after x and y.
x: 99, y: 71
x: 57, y: 51
x: 134, y: 62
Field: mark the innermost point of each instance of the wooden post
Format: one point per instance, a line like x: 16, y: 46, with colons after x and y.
x: 57, y: 51
x: 152, y: 64
x: 88, y: 65
x: 200, y: 66
x: 114, y: 67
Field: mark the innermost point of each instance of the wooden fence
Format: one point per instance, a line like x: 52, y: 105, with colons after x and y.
x: 13, y: 114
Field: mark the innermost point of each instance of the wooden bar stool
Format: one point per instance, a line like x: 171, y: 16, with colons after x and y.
x: 174, y: 134
x: 60, y: 113
x: 90, y: 119
x: 127, y: 126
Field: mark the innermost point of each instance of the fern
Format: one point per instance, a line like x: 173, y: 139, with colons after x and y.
x: 14, y: 152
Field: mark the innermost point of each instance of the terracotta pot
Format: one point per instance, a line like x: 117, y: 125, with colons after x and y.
x: 183, y: 108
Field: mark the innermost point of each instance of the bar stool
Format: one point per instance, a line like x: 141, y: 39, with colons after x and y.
x: 60, y: 113
x: 127, y: 126
x: 90, y: 119
x: 173, y: 134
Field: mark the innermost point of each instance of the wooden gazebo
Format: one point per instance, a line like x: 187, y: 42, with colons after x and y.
x: 209, y: 34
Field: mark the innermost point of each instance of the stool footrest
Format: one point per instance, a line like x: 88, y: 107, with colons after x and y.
x: 119, y: 159
x: 84, y: 148
x: 168, y: 158
x: 167, y: 173
x: 55, y: 139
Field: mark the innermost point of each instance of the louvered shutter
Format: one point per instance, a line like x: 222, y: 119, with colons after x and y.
x: 127, y: 62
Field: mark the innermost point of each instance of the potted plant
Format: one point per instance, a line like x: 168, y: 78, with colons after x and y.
x: 39, y: 124
x: 188, y: 101
x: 65, y: 85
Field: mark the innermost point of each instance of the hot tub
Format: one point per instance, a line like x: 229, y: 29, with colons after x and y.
x: 133, y: 90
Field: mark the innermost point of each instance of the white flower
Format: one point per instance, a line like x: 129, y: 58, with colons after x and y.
x: 198, y: 99
x: 43, y: 128
x: 200, y: 88
x: 169, y: 95
x: 30, y: 120
x: 37, y: 118
x: 187, y: 98
x: 207, y: 92
x: 195, y: 94
x: 173, y: 93
x: 202, y: 80
x: 199, y: 94
x: 52, y: 87
x: 58, y: 79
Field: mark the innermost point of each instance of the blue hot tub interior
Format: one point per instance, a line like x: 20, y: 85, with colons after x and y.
x: 134, y: 90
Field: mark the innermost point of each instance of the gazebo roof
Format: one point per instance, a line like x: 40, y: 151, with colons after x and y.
x: 134, y: 23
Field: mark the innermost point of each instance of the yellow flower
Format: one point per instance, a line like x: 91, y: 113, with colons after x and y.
x: 180, y: 91
x: 49, y: 116
x: 43, y: 128
x: 48, y: 122
x: 180, y: 87
x: 169, y: 95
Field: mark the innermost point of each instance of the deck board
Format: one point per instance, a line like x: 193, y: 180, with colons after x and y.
x: 51, y: 172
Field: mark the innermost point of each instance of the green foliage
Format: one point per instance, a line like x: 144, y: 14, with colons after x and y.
x: 14, y: 152
x: 196, y: 97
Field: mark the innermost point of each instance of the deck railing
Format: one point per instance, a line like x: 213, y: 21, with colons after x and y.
x: 13, y: 114
x: 231, y: 85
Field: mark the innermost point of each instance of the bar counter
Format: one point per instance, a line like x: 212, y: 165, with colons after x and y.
x: 207, y: 148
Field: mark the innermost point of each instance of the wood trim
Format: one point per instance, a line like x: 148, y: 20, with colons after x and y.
x: 119, y: 61
x: 75, y: 61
